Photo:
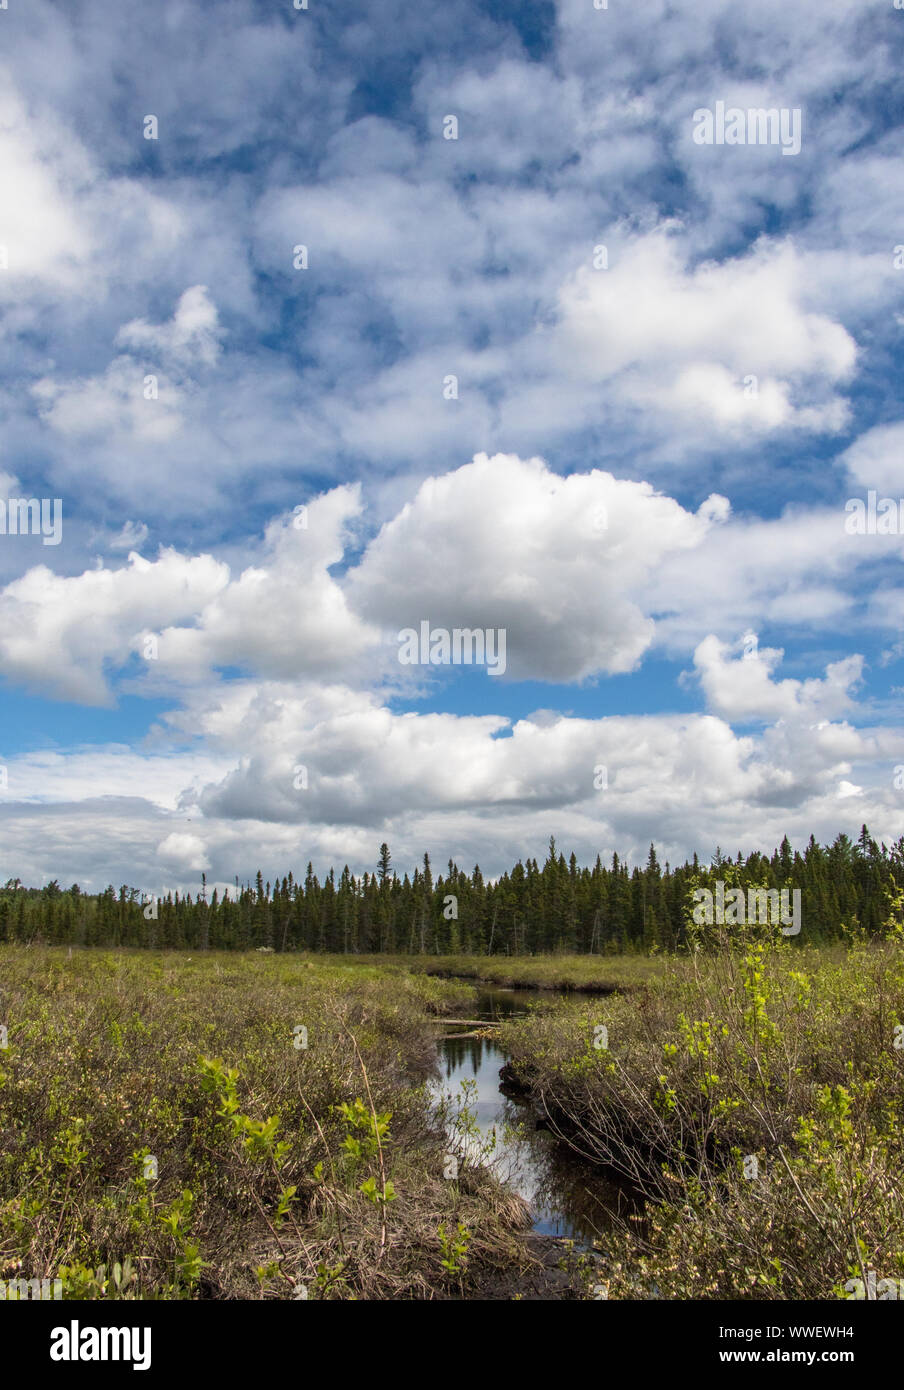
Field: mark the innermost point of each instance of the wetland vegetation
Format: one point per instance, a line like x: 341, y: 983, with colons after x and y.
x: 722, y: 1119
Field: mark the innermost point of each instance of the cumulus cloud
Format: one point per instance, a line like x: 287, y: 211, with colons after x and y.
x: 59, y: 633
x: 446, y: 783
x: 427, y: 256
x: 286, y: 615
x: 742, y: 687
x: 506, y: 543
x: 584, y: 574
x: 185, y: 616
x: 730, y: 341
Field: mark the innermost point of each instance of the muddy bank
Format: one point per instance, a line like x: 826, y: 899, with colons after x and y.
x: 554, y: 1274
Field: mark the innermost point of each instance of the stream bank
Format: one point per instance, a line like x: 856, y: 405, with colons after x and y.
x: 572, y: 1203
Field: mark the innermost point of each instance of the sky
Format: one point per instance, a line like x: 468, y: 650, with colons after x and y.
x: 319, y: 324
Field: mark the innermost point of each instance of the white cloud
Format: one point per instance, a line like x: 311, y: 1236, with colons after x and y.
x: 876, y: 459
x: 134, y: 401
x: 556, y: 562
x: 731, y: 342
x: 46, y: 230
x: 59, y: 633
x: 440, y: 782
x: 182, y: 853
x: 584, y: 574
x: 742, y: 687
x: 132, y: 535
x: 82, y: 774
x: 284, y: 616
x: 113, y: 407
x: 799, y: 571
x: 193, y: 334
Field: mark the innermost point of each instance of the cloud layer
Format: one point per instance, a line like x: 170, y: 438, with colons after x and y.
x: 441, y: 315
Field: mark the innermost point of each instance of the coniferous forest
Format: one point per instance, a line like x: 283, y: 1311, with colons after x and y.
x: 559, y: 906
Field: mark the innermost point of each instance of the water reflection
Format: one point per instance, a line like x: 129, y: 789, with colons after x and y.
x: 567, y: 1196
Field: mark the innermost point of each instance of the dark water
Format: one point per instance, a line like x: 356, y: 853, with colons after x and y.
x: 568, y: 1196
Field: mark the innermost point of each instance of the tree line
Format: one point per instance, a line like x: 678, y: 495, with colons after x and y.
x: 556, y: 906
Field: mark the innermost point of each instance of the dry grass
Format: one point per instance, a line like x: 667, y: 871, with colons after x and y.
x: 583, y: 974
x: 265, y: 1185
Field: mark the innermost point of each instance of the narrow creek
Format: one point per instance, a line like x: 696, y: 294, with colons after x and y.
x: 567, y: 1196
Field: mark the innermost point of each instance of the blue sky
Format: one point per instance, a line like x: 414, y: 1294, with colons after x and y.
x: 640, y: 473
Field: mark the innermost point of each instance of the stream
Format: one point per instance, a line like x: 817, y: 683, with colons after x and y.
x: 567, y: 1196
